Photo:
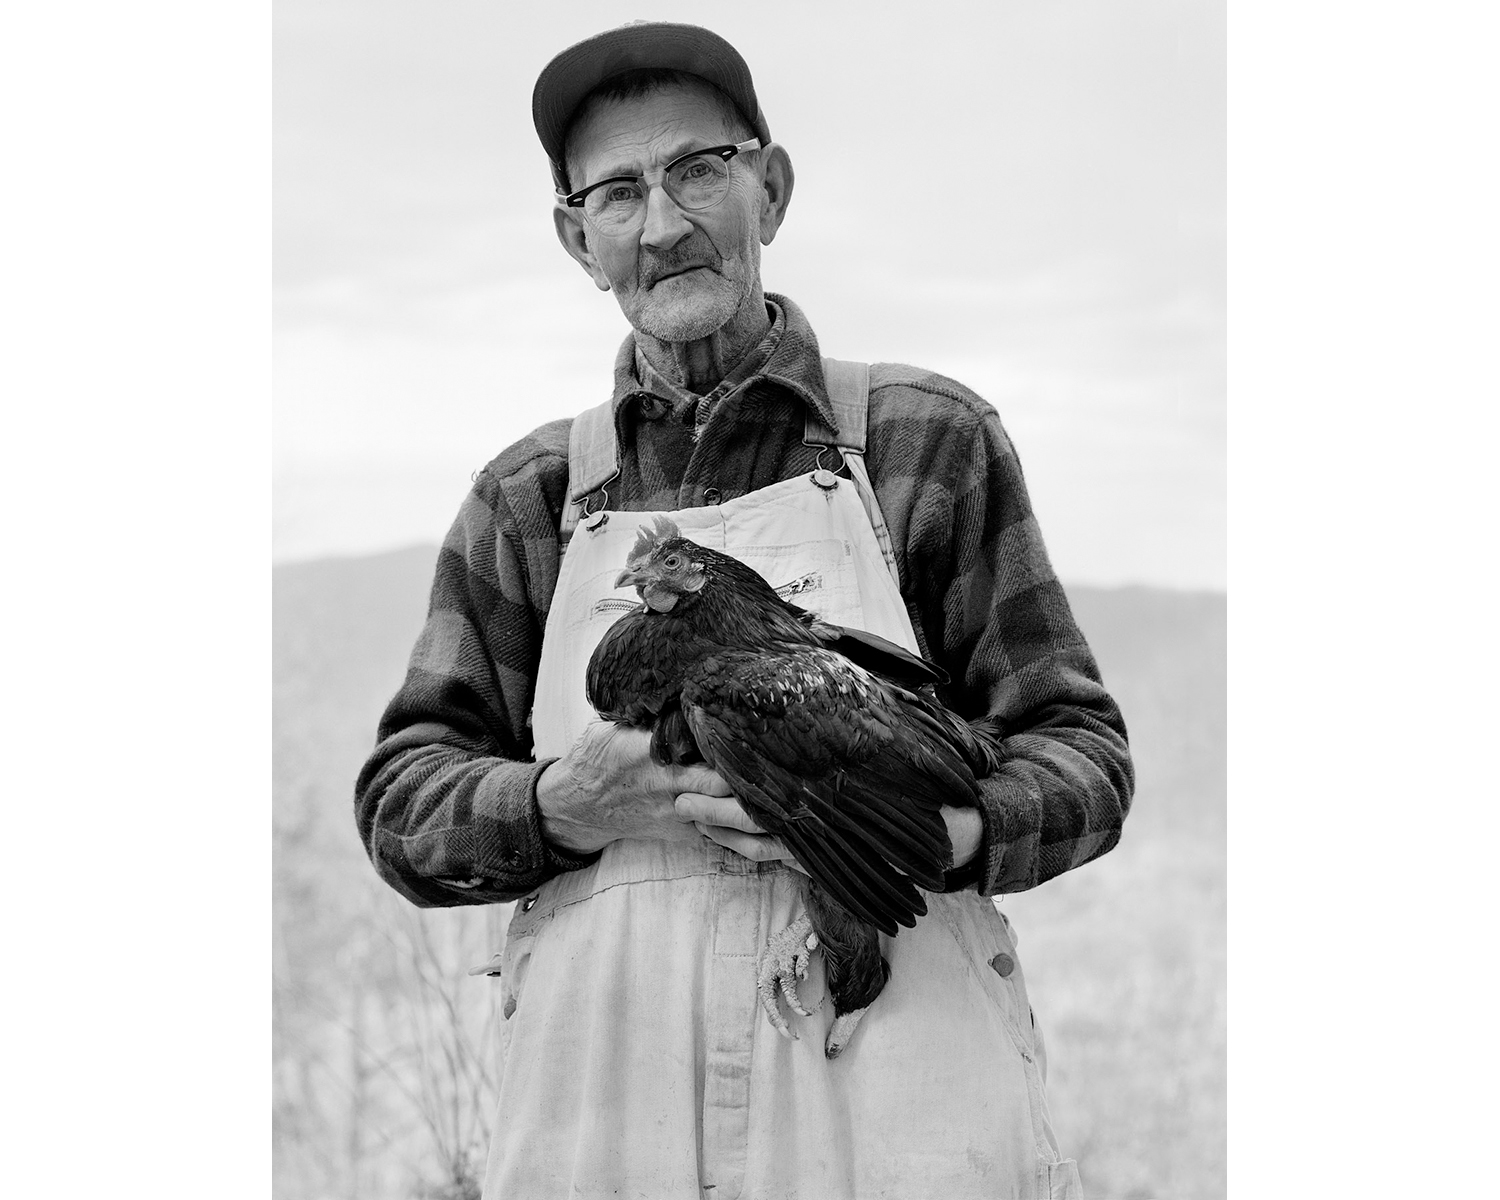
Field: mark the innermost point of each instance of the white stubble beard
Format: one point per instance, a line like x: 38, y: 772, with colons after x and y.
x: 690, y: 318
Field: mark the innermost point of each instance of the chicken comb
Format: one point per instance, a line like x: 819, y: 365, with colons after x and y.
x: 650, y: 538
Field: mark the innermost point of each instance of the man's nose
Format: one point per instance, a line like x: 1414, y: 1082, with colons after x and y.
x: 666, y: 225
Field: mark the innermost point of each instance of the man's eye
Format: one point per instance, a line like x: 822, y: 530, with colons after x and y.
x: 621, y: 193
x: 699, y: 168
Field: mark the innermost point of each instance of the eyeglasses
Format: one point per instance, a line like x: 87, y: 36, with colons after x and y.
x: 697, y: 181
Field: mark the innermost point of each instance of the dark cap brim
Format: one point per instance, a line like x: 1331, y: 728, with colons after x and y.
x: 578, y: 70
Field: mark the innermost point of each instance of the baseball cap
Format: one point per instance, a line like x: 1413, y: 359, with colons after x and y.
x: 578, y: 70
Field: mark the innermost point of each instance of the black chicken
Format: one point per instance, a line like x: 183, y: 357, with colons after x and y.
x: 821, y: 733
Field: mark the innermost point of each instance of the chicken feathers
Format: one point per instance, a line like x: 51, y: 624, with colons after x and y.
x: 820, y: 731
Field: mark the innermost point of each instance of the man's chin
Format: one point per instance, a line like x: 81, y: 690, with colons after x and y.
x: 673, y: 312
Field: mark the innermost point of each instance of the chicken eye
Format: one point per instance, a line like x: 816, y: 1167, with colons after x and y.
x: 672, y: 562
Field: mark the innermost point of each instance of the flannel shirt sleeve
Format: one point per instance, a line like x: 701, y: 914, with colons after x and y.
x: 996, y: 618
x: 446, y: 803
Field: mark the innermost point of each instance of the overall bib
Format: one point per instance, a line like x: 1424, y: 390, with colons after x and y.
x: 636, y: 1061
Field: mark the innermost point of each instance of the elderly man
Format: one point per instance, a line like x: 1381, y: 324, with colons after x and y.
x: 635, y: 1058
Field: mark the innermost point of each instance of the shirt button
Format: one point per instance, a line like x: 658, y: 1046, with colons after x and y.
x: 710, y: 495
x: 1004, y: 964
x: 529, y: 903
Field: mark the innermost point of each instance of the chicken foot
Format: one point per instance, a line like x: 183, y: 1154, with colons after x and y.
x: 783, y: 962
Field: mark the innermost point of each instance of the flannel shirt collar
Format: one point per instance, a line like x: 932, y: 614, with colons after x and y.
x: 787, y: 356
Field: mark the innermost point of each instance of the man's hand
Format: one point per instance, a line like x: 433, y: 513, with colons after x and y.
x: 965, y: 831
x: 608, y: 787
x: 722, y: 819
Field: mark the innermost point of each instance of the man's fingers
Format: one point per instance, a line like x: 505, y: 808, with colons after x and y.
x: 757, y: 847
x: 753, y: 846
x: 715, y: 810
x: 721, y: 819
x: 705, y: 781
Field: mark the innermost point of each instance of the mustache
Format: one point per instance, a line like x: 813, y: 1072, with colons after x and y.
x: 657, y: 266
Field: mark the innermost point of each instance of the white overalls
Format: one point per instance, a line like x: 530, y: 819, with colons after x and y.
x: 636, y: 1061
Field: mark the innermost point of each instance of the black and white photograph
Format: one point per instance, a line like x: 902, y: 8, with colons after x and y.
x: 706, y: 763
x: 796, y: 601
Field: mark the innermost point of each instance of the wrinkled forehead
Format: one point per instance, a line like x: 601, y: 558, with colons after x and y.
x: 613, y: 135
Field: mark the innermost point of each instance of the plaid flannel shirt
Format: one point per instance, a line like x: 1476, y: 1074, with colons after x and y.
x: 446, y: 803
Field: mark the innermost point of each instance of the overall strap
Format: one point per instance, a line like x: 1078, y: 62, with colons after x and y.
x: 593, y: 461
x: 594, y: 456
x: 849, y: 392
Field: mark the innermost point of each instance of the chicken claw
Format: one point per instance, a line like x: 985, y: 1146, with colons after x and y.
x: 784, y: 961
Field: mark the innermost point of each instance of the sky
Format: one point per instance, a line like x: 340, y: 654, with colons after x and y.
x: 1028, y: 197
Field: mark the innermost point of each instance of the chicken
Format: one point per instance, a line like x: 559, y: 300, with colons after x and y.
x: 823, y: 736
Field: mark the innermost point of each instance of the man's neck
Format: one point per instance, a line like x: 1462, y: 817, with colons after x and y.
x: 700, y: 366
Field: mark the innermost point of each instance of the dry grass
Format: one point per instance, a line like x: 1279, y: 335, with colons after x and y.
x: 1125, y: 957
x: 1126, y: 969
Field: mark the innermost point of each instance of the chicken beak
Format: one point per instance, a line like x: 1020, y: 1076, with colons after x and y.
x: 629, y: 578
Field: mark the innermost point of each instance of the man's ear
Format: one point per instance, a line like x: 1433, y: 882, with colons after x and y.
x: 777, y: 180
x: 573, y: 236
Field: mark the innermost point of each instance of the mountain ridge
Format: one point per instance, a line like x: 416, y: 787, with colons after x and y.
x: 1124, y: 956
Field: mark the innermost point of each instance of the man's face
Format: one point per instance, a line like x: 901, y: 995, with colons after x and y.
x: 683, y: 275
